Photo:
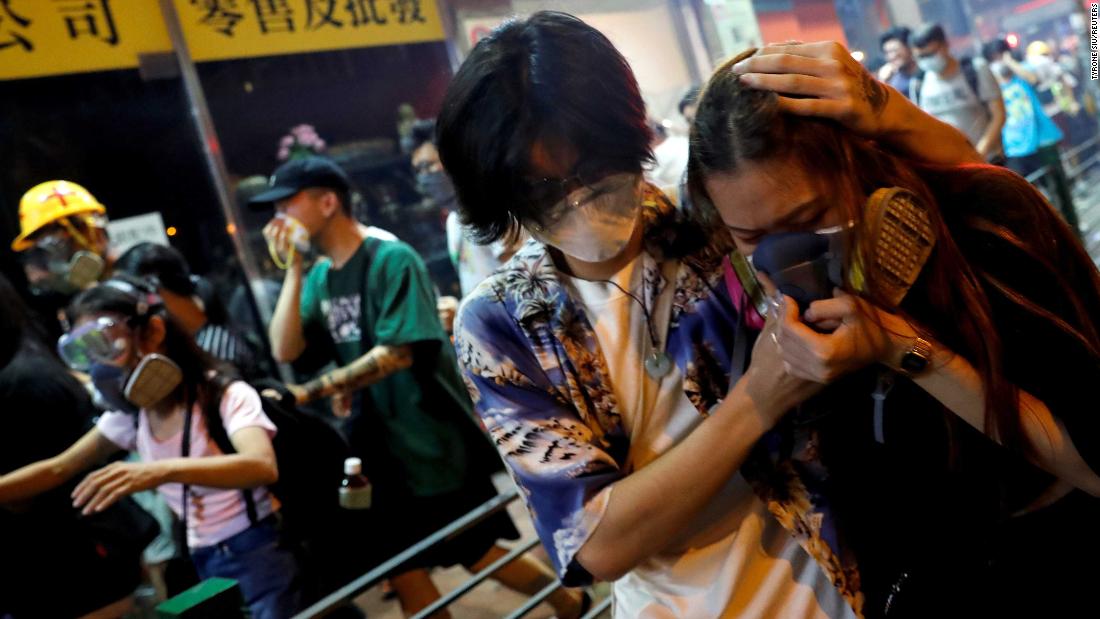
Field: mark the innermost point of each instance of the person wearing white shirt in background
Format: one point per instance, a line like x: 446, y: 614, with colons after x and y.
x: 672, y: 153
x: 472, y: 260
x: 961, y: 92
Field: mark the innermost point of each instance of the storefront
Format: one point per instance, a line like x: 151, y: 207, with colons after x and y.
x: 97, y: 93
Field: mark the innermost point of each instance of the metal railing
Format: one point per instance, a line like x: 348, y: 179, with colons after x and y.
x: 1072, y: 170
x: 475, y: 580
x: 1068, y: 157
x: 1056, y: 181
x: 348, y: 592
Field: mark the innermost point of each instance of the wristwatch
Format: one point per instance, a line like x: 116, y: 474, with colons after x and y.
x: 916, y: 359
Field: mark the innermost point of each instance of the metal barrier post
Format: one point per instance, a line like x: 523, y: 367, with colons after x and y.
x: 475, y: 580
x: 219, y: 173
x: 535, y: 600
x: 1071, y: 153
x: 1084, y: 165
x: 364, y: 582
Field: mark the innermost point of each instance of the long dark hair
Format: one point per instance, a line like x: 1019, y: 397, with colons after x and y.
x: 958, y: 294
x: 129, y: 297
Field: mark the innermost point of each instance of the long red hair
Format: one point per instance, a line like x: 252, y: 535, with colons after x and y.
x: 960, y: 297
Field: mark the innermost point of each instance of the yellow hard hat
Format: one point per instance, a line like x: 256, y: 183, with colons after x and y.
x: 1038, y: 48
x: 49, y: 202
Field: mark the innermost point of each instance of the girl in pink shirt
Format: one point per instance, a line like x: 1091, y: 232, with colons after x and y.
x: 148, y: 372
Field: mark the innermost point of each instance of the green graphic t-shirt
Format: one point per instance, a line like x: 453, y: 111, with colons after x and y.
x: 421, y: 417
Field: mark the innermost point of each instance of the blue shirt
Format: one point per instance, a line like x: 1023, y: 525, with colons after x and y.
x: 900, y: 80
x: 1027, y: 127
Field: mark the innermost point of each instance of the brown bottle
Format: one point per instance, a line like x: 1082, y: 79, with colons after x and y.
x: 355, y: 490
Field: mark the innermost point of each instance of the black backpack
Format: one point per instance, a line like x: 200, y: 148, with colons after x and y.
x: 309, y: 453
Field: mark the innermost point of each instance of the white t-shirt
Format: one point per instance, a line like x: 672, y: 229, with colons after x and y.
x: 213, y: 514
x: 473, y: 262
x: 734, y: 560
x: 953, y: 101
x: 379, y: 233
x: 672, y: 161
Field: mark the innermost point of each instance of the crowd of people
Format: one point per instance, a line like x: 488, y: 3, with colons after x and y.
x: 899, y: 429
x: 1017, y: 109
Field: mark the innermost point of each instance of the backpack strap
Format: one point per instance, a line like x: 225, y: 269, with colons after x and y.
x: 216, y: 429
x: 185, y: 452
x: 970, y: 72
x: 914, y: 86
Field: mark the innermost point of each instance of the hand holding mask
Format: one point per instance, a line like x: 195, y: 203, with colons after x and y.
x: 286, y: 237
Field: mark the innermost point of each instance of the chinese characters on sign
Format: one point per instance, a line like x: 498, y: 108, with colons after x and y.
x: 407, y: 11
x: 89, y: 17
x: 16, y: 23
x: 222, y: 29
x: 81, y: 18
x: 320, y: 13
x: 273, y: 16
x: 220, y: 15
x: 364, y: 13
x: 286, y: 15
x: 50, y: 37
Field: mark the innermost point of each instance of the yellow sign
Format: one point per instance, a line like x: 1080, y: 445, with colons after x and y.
x: 47, y: 37
x: 50, y: 37
x: 219, y: 30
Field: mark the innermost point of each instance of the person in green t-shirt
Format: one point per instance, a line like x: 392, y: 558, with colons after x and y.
x: 428, y: 461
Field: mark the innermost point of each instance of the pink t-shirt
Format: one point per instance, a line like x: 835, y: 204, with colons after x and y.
x: 213, y: 514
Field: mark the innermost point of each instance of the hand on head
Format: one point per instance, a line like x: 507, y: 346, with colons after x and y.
x: 819, y: 79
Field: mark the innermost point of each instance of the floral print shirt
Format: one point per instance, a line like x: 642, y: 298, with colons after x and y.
x: 538, y: 380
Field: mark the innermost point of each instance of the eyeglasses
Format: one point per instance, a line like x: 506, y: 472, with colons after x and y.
x: 103, y: 340
x: 547, y: 196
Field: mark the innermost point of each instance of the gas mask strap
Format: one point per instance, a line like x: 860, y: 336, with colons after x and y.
x: 76, y: 234
x: 747, y: 275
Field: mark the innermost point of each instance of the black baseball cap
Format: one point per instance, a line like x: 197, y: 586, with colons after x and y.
x: 298, y: 174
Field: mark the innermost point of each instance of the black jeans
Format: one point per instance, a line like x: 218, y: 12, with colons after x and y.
x: 1054, y: 181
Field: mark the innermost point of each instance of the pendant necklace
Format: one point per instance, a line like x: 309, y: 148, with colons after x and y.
x: 657, y: 363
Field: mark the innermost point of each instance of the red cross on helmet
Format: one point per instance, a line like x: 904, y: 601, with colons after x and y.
x: 52, y: 202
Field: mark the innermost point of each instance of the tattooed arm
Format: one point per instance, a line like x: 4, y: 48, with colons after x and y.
x: 378, y: 363
x: 831, y: 84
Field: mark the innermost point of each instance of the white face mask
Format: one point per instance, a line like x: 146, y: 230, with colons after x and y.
x: 933, y: 64
x: 297, y: 239
x: 597, y: 222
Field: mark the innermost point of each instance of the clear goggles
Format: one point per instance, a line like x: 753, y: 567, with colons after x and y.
x: 59, y: 240
x: 53, y: 246
x: 584, y: 194
x: 103, y: 340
